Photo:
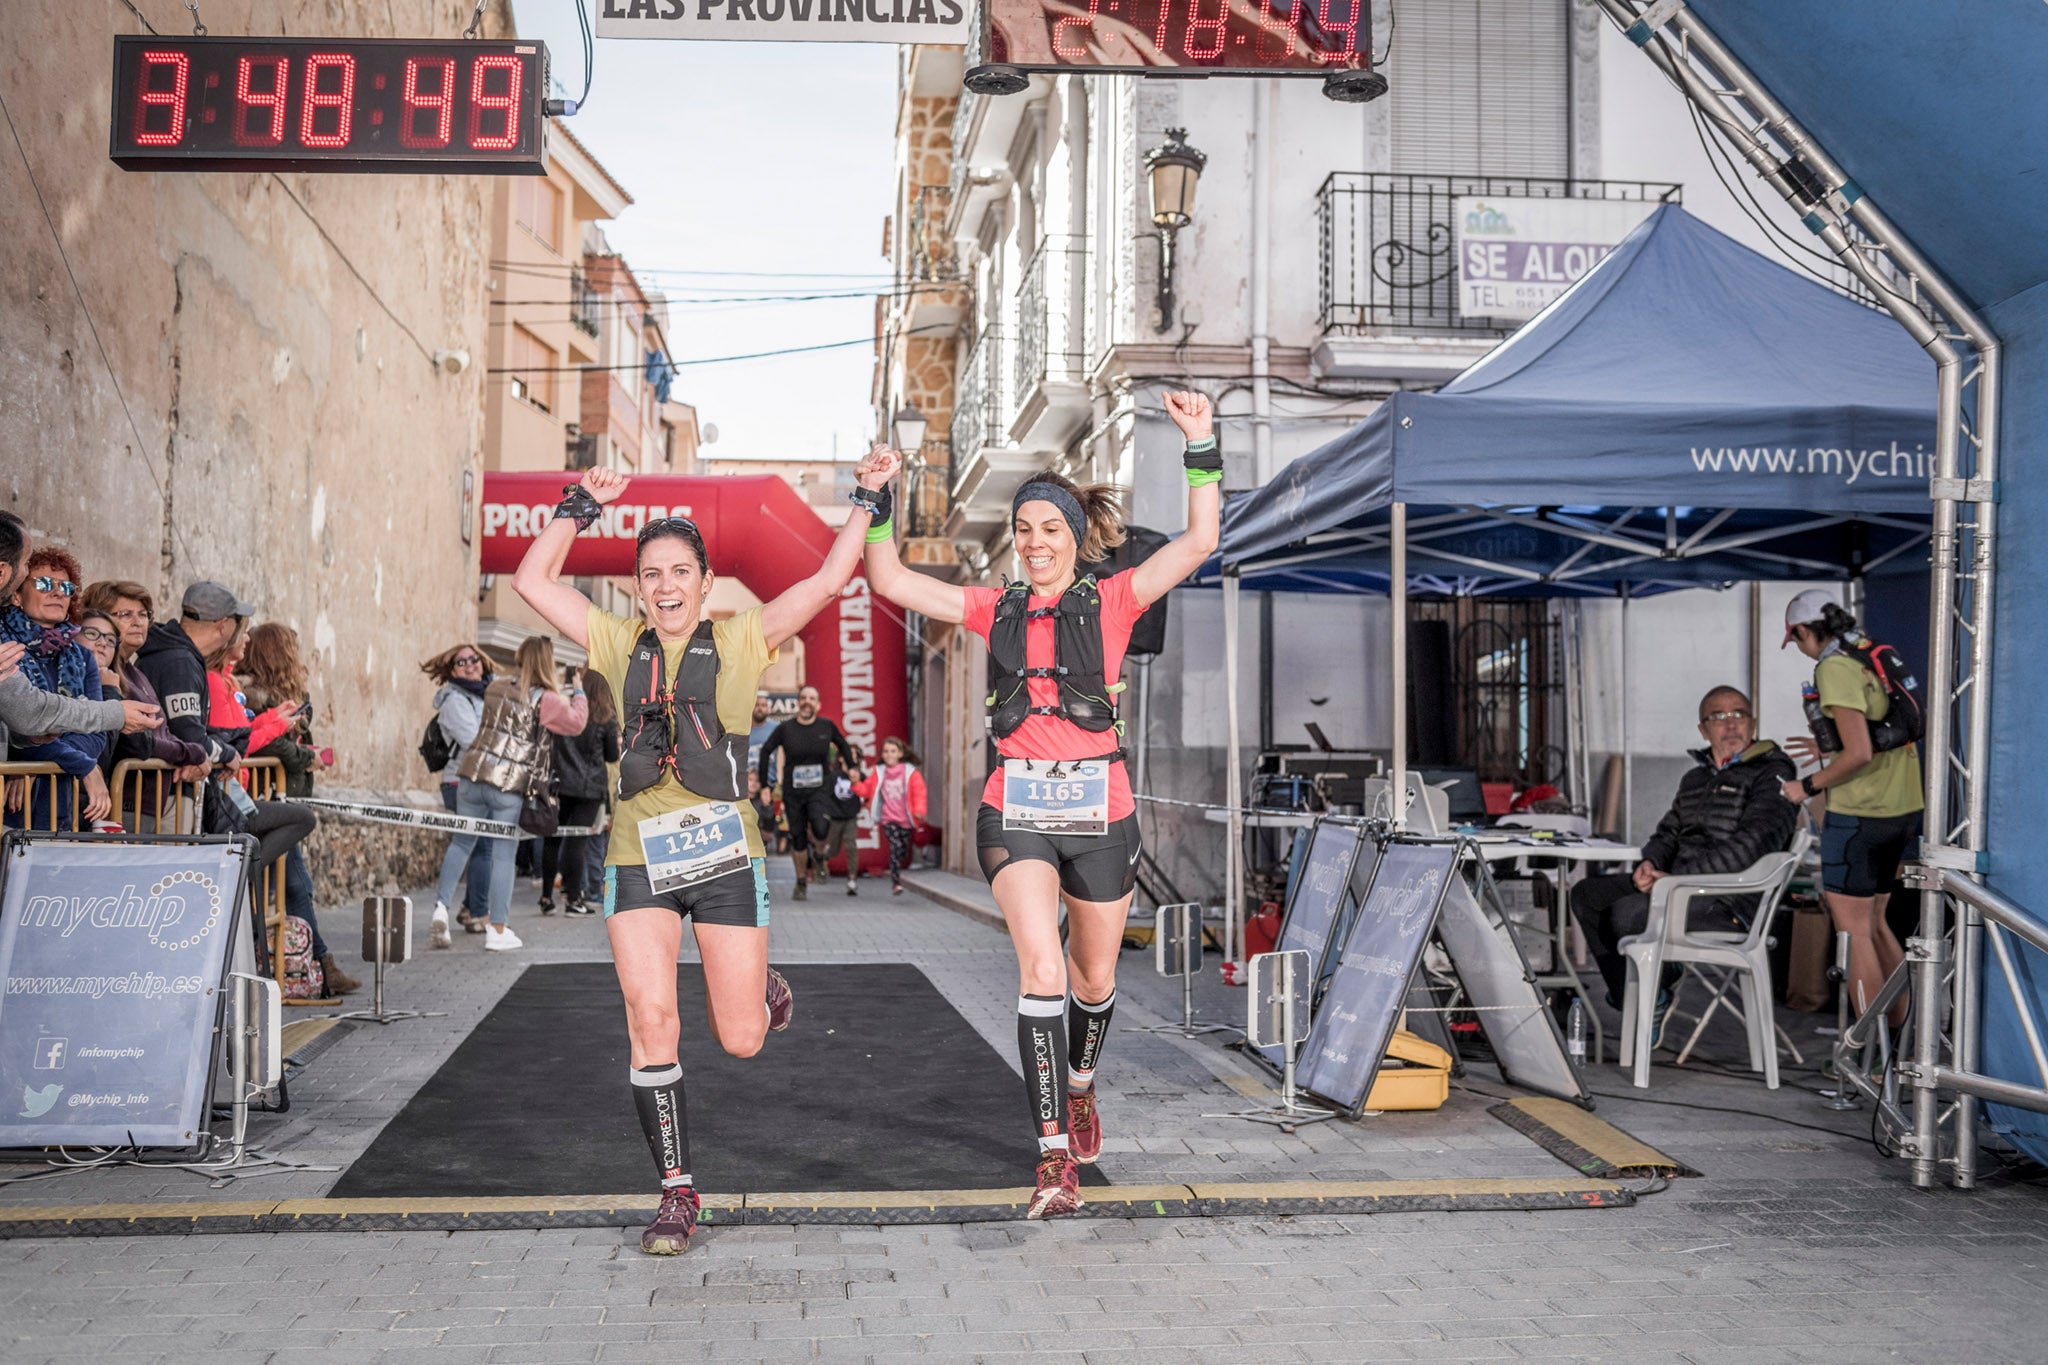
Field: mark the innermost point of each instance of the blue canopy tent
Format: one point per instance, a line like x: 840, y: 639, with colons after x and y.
x: 1924, y: 112
x: 1688, y: 413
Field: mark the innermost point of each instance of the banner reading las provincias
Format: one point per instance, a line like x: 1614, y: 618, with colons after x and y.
x: 789, y: 21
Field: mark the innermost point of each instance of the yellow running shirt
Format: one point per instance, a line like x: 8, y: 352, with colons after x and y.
x: 743, y: 655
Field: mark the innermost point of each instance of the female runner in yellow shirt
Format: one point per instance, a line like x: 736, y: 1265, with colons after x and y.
x: 686, y: 843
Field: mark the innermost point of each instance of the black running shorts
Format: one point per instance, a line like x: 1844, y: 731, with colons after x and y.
x: 1860, y: 854
x: 1092, y: 867
x: 737, y: 897
x: 805, y: 811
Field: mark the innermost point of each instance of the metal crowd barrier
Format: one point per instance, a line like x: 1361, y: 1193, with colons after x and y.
x: 147, y: 802
x: 264, y: 779
x: 27, y: 777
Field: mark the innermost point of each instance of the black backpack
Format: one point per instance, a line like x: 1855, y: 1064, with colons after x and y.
x: 435, y: 750
x: 1904, y: 720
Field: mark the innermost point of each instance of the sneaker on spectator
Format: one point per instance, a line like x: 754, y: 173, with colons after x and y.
x: 502, y: 940
x: 1660, y: 1015
x: 437, y: 932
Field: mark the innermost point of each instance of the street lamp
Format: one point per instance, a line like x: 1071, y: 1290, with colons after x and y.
x: 1174, y: 169
x: 909, y: 426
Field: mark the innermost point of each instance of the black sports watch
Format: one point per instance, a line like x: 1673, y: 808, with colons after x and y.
x: 1806, y: 785
x: 879, y: 502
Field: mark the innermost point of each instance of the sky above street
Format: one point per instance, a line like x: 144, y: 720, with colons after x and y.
x: 755, y: 169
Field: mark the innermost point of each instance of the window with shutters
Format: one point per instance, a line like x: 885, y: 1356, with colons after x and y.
x: 1480, y: 87
x: 537, y: 207
x: 531, y: 363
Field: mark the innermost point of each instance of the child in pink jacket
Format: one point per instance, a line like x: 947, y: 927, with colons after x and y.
x: 897, y: 790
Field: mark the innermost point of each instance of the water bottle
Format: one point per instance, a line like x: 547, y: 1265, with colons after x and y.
x: 1826, y: 737
x: 1575, y: 1032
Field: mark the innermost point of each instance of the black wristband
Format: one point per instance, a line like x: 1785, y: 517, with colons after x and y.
x: 1205, y: 455
x: 880, y: 502
x: 578, y: 506
x: 1806, y: 785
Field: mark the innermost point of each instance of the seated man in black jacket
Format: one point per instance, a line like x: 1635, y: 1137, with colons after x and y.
x: 1729, y: 811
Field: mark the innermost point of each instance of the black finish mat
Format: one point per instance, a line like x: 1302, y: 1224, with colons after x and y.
x: 878, y: 1084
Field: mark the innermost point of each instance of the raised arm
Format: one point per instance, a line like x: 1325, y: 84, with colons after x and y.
x: 539, y: 577
x: 887, y: 575
x: 793, y: 610
x: 1189, y: 550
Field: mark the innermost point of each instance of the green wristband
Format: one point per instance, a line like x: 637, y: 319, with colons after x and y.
x: 1202, y: 478
x: 878, y: 534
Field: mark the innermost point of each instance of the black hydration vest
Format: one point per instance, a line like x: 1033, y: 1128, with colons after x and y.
x: 677, y: 730
x: 1086, y: 699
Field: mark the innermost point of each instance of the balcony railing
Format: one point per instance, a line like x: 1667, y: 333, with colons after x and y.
x: 1389, y: 245
x: 1052, y: 321
x: 927, y: 497
x: 981, y: 399
x: 584, y: 304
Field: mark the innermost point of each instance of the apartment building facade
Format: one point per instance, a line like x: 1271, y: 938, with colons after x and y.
x: 577, y: 371
x: 1034, y: 327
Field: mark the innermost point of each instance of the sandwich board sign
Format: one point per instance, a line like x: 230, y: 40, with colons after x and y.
x: 113, y: 959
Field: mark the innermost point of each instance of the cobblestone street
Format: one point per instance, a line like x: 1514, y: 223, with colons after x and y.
x: 1798, y: 1243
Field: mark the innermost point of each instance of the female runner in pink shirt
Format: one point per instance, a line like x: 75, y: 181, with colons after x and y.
x: 1057, y: 821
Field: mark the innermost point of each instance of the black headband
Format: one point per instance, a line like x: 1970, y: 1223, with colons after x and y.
x: 1068, y: 505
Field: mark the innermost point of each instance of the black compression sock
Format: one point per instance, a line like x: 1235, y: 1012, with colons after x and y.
x: 1042, y: 1043
x: 658, y: 1095
x: 1087, y: 1032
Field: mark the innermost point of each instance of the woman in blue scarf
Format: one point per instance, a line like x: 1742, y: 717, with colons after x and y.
x: 44, y: 619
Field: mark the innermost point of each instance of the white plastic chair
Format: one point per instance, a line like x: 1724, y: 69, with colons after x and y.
x: 1741, y: 958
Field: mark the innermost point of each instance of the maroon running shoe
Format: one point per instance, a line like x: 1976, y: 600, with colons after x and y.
x: 669, y: 1233
x: 781, y: 1002
x: 1059, y: 1185
x: 1084, y: 1126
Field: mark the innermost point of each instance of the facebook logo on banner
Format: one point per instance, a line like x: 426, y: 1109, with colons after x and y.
x: 50, y: 1053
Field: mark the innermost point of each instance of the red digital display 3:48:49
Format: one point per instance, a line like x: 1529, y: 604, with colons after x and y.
x: 308, y: 104
x: 1157, y: 36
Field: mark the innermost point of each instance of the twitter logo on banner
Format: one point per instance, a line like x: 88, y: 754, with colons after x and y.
x: 36, y: 1103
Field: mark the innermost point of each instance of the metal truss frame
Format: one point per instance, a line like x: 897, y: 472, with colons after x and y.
x: 1943, y: 964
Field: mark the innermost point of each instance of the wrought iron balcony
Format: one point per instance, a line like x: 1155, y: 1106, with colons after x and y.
x: 981, y: 400
x: 1052, y: 320
x: 1389, y: 244
x: 585, y: 307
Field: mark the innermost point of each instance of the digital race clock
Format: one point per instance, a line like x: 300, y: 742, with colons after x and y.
x: 1178, y: 38
x: 325, y: 104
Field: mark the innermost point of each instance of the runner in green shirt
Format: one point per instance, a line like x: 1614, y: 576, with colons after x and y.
x: 1873, y: 799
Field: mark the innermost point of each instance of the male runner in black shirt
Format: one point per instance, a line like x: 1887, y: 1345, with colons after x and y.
x: 812, y: 747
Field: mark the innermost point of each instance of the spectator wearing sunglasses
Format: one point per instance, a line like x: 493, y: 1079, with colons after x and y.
x: 44, y: 620
x: 131, y: 609
x: 462, y: 675
x: 25, y: 709
x: 1729, y: 812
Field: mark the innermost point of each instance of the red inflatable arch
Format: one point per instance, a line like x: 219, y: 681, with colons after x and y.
x: 758, y: 530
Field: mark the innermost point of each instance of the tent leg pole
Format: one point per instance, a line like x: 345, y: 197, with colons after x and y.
x: 1233, y: 853
x: 1628, y: 758
x: 1398, y: 596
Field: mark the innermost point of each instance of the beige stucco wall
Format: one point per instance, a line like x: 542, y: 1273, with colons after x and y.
x: 294, y: 440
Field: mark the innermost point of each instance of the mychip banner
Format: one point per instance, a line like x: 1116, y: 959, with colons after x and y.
x: 113, y: 957
x: 1516, y: 255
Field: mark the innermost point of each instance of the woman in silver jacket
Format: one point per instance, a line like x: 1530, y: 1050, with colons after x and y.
x: 505, y: 759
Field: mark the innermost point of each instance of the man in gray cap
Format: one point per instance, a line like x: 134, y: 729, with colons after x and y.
x: 173, y: 658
